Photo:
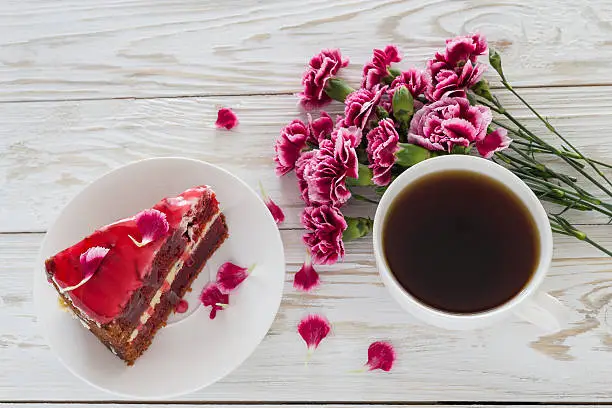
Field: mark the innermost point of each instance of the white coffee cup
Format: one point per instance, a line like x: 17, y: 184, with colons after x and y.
x: 530, y: 303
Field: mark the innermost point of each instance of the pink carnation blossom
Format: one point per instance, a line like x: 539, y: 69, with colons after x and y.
x: 383, y: 143
x: 303, y: 170
x: 353, y: 134
x: 381, y: 356
x: 447, y: 123
x: 212, y: 296
x: 313, y: 329
x: 289, y: 145
x: 415, y: 80
x: 378, y: 67
x: 321, y: 128
x: 326, y: 178
x: 324, y: 241
x: 226, y: 118
x: 307, y: 278
x: 321, y: 68
x: 457, y: 68
x: 359, y: 106
x: 493, y: 142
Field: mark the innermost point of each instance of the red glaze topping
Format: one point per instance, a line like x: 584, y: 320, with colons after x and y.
x: 126, y: 265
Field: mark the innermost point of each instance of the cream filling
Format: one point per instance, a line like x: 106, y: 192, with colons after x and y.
x: 172, y: 275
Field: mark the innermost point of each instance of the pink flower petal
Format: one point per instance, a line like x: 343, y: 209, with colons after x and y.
x: 313, y: 329
x: 182, y: 306
x: 226, y: 118
x: 275, y: 210
x: 230, y: 276
x: 152, y: 225
x: 306, y: 279
x: 493, y: 142
x: 381, y: 356
x: 211, y: 296
x: 90, y: 262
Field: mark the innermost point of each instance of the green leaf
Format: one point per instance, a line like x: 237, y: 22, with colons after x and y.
x: 357, y: 227
x: 403, y: 105
x: 338, y: 89
x: 411, y: 154
x: 364, y: 177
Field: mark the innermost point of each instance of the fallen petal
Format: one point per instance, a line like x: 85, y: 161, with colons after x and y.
x: 306, y: 279
x: 90, y: 262
x: 381, y: 356
x: 275, y: 210
x: 226, y: 118
x: 313, y: 329
x: 212, y: 296
x: 230, y: 276
x: 152, y: 225
x: 493, y: 142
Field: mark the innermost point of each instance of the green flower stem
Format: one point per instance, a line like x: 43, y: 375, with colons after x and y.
x: 550, y: 127
x: 499, y: 108
x: 561, y: 226
x: 363, y: 198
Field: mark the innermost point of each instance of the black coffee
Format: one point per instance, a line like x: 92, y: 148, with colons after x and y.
x: 460, y: 242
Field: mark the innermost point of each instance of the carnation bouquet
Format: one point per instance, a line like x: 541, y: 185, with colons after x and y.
x: 396, y: 119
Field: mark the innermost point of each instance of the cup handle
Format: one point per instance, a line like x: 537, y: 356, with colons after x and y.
x: 544, y: 311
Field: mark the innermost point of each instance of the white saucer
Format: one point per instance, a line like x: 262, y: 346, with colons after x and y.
x: 194, y: 352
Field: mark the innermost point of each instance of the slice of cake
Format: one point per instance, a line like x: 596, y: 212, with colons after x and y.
x: 123, y: 281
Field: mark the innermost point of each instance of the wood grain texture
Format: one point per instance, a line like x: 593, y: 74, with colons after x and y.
x: 512, y: 361
x: 70, y: 49
x: 50, y: 151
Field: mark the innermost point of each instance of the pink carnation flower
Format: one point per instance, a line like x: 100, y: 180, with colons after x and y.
x: 321, y: 68
x: 383, y: 143
x: 415, y: 80
x: 378, y: 67
x: 327, y: 172
x: 320, y: 129
x: 359, y: 106
x: 457, y: 68
x: 324, y: 241
x: 493, y: 142
x: 352, y: 134
x: 447, y: 123
x: 226, y: 119
x: 288, y: 146
x: 303, y: 170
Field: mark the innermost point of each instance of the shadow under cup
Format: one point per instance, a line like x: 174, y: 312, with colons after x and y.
x: 460, y: 242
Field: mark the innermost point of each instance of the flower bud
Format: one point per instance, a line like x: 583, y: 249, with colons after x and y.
x: 356, y: 228
x: 403, y: 105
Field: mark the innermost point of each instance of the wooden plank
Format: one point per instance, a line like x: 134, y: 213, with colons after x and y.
x: 137, y: 48
x: 171, y: 405
x: 512, y: 361
x: 52, y: 150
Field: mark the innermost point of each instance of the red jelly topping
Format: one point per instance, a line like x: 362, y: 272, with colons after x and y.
x: 182, y: 306
x: 126, y: 265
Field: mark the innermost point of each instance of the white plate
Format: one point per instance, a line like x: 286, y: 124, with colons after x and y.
x: 196, y: 351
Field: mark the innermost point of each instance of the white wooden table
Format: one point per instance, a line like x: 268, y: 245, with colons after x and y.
x: 88, y: 85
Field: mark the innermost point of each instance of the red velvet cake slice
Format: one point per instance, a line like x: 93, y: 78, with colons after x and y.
x: 123, y: 281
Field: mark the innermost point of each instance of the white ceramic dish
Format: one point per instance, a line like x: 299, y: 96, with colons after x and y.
x: 192, y: 352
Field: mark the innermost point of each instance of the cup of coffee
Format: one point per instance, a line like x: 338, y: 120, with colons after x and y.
x: 461, y: 242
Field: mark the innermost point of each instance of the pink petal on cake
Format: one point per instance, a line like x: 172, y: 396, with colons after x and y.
x: 226, y: 118
x: 152, y: 225
x: 90, y: 262
x: 306, y: 279
x: 381, y: 356
x: 182, y: 306
x: 212, y: 296
x: 230, y: 276
x: 275, y: 210
x: 313, y: 329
